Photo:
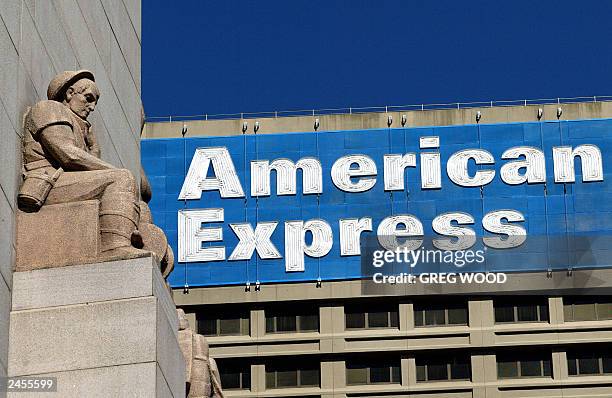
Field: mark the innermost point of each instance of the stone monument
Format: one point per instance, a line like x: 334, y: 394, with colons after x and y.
x: 62, y: 172
x: 91, y: 305
x: 202, y: 375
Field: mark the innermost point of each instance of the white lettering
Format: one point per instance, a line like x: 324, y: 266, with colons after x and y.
x: 465, y: 237
x: 254, y: 240
x: 225, y: 180
x: 191, y: 235
x: 590, y: 160
x: 515, y: 234
x: 295, y: 242
x: 342, y: 172
x: 350, y: 233
x: 457, y: 168
x: 286, y: 170
x: 389, y: 230
x: 534, y: 165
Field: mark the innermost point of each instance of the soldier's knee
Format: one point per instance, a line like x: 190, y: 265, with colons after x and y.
x: 124, y: 180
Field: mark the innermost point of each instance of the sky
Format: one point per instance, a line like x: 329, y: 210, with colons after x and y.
x: 232, y: 56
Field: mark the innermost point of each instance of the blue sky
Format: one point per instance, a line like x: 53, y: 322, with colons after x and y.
x: 249, y: 56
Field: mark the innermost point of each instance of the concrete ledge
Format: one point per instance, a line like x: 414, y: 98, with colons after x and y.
x: 91, y: 283
x: 161, y: 386
x: 106, y: 382
x: 580, y: 282
x: 5, y: 308
x: 374, y: 120
x: 2, y: 374
x: 57, y: 235
x: 170, y: 361
x: 105, y: 330
x: 82, y: 336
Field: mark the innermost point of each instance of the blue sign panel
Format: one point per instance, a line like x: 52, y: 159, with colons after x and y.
x: 551, y: 179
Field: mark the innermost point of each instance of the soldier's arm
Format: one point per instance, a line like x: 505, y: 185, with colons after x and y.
x: 92, y: 143
x: 57, y: 141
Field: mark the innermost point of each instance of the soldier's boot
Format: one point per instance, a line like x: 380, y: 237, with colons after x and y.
x: 119, y: 217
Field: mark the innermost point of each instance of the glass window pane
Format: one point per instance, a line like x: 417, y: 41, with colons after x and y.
x: 309, y: 377
x: 527, y: 313
x: 286, y: 378
x: 285, y: 323
x: 309, y: 323
x: 604, y: 311
x: 546, y: 369
x: 396, y: 376
x: 230, y: 380
x: 437, y: 371
x: 246, y: 380
x: 584, y: 312
x: 568, y: 313
x: 461, y: 371
x: 207, y: 327
x: 355, y: 320
x: 421, y: 371
x: 531, y: 368
x: 572, y: 370
x: 607, y: 363
x: 418, y: 317
x: 434, y: 317
x: 270, y: 380
x: 378, y: 319
x: 380, y: 374
x: 588, y: 366
x: 457, y: 316
x: 356, y: 375
x: 504, y: 313
x: 229, y: 326
x: 544, y: 313
x: 245, y: 326
x: 393, y: 315
x: 270, y: 328
x: 507, y: 369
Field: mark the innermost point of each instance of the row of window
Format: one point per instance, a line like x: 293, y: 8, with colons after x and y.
x: 589, y: 363
x: 358, y: 372
x: 287, y: 319
x: 597, y: 361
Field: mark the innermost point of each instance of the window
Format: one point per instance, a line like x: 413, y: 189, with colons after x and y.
x: 292, y: 375
x: 286, y: 319
x: 512, y: 312
x: 373, y: 371
x: 234, y: 375
x: 589, y: 361
x: 440, y: 315
x: 587, y: 309
x: 359, y: 317
x: 513, y: 366
x: 443, y: 368
x: 230, y: 322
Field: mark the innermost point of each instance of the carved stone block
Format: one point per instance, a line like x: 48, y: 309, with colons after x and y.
x: 111, y: 333
x: 57, y: 235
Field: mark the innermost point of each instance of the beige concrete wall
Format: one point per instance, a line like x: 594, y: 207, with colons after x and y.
x: 39, y: 38
x: 480, y: 339
x: 443, y: 117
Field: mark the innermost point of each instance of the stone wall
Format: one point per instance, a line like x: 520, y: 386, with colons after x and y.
x: 39, y: 38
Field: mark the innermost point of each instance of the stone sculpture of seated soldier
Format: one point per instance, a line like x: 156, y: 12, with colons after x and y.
x: 62, y: 164
x: 201, y: 373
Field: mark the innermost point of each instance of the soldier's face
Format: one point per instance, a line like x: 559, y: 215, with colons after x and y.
x: 82, y: 103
